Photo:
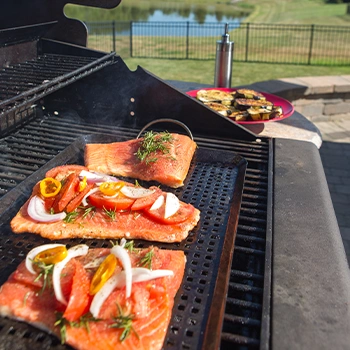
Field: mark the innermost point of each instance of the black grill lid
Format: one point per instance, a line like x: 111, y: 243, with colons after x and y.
x: 25, y: 15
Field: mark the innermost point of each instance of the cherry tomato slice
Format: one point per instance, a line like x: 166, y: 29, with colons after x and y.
x: 184, y: 212
x: 79, y: 298
x: 103, y: 273
x: 111, y: 188
x: 50, y: 187
x: 67, y: 193
x: 52, y: 255
x: 121, y: 202
x: 146, y: 202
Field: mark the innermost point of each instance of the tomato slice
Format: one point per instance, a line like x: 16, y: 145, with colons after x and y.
x: 99, y: 200
x: 146, y: 202
x: 184, y: 212
x: 67, y: 193
x: 79, y: 298
x: 75, y: 202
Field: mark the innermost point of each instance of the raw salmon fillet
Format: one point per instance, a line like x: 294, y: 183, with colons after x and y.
x: 119, y: 159
x: 150, y: 303
x: 129, y: 224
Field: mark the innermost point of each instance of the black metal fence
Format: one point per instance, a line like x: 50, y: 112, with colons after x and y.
x: 267, y: 43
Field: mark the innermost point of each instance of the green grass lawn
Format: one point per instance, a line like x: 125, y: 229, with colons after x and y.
x: 242, y: 73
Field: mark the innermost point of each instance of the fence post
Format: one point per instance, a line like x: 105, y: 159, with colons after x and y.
x: 247, y: 43
x: 187, y: 38
x: 113, y: 35
x: 130, y: 38
x: 311, y: 43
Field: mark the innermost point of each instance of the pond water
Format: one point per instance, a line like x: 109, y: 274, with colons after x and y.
x: 158, y: 12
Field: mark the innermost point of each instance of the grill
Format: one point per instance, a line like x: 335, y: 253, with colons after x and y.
x: 56, y: 95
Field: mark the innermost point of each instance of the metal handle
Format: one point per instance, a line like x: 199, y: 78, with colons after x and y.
x: 166, y: 120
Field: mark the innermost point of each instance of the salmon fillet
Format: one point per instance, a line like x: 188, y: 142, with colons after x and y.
x: 130, y: 224
x: 150, y: 303
x: 119, y: 158
x: 127, y: 225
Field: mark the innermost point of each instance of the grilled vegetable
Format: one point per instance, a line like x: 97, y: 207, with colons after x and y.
x: 220, y: 108
x: 245, y: 103
x: 250, y: 94
x: 218, y: 96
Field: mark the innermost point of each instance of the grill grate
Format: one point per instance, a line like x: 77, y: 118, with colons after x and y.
x: 33, y: 145
x: 22, y: 85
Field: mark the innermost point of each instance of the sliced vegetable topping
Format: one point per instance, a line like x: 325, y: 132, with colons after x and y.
x: 172, y: 205
x: 52, y: 255
x: 94, y: 177
x: 36, y: 251
x: 111, y: 188
x: 49, y: 187
x: 124, y: 258
x: 136, y: 192
x: 82, y: 184
x: 73, y: 252
x: 158, y: 203
x: 103, y: 273
x: 139, y: 274
x: 37, y: 211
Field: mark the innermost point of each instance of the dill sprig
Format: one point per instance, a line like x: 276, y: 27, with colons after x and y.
x: 124, y: 322
x: 45, y: 273
x: 110, y: 213
x: 152, y: 143
x: 83, y: 322
x: 71, y: 217
x: 147, y: 259
x: 87, y: 211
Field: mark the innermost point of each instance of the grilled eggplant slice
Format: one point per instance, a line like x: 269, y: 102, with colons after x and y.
x: 249, y: 94
x: 264, y: 114
x: 217, y: 96
x: 245, y: 103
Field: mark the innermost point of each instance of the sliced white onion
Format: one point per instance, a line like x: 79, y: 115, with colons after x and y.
x: 124, y: 258
x: 139, y: 274
x: 136, y: 192
x: 158, y: 203
x: 122, y: 242
x: 36, y: 210
x: 93, y: 177
x: 73, y: 252
x: 84, y: 202
x: 172, y: 205
x: 35, y: 251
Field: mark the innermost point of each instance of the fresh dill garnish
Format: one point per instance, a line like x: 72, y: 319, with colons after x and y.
x: 110, y: 213
x: 45, y: 273
x: 152, y: 143
x: 147, y: 259
x: 129, y: 246
x: 137, y: 183
x: 88, y: 210
x: 70, y: 217
x: 82, y: 322
x: 124, y: 322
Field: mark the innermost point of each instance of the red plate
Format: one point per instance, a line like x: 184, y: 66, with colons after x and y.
x: 287, y: 107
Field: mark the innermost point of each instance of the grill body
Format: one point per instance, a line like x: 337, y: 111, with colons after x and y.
x: 248, y: 273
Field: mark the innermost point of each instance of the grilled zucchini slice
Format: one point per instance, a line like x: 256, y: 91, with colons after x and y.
x: 217, y: 96
x: 224, y: 110
x: 249, y: 94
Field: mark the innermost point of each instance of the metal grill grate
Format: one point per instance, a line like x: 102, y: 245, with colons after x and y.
x: 30, y: 148
x: 22, y: 85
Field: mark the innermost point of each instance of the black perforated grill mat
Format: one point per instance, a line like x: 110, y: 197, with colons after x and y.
x: 209, y: 188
